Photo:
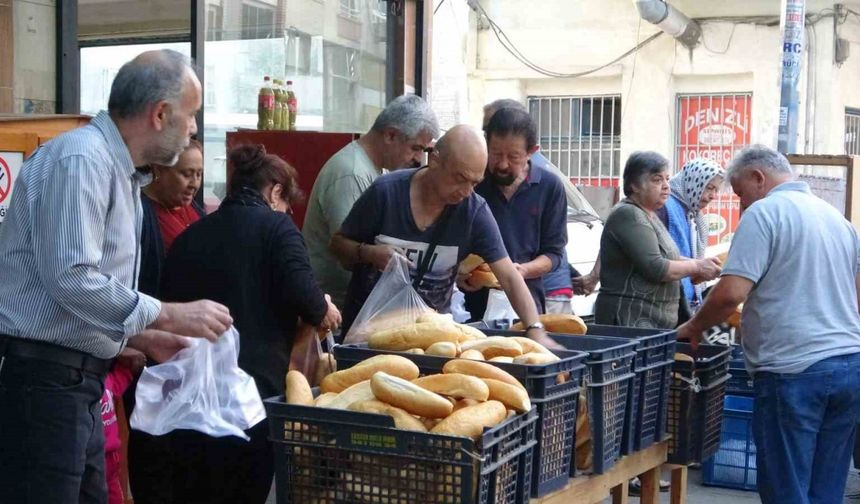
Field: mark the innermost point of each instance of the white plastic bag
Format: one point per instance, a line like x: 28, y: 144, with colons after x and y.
x: 200, y: 388
x: 392, y: 303
x: 499, y: 308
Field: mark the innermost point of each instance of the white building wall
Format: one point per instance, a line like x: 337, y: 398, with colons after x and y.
x: 573, y: 36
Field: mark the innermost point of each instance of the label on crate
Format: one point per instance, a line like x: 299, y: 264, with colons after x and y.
x: 367, y: 440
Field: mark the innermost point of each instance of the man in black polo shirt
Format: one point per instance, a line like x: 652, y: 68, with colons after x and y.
x: 527, y: 201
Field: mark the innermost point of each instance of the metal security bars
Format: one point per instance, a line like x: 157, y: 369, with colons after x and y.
x: 716, y: 127
x: 852, y: 132
x: 581, y: 135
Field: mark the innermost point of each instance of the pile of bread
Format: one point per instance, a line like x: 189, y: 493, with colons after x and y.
x: 478, y: 273
x: 461, y: 401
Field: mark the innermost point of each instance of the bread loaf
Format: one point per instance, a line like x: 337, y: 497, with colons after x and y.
x: 464, y: 403
x: 323, y: 400
x: 511, y: 396
x: 471, y: 333
x: 408, y: 396
x: 483, y: 279
x: 472, y: 354
x: 502, y: 358
x: 298, y: 389
x: 455, y: 385
x: 683, y: 357
x: 535, y: 358
x: 480, y: 370
x: 359, y: 392
x: 495, y: 346
x: 558, y: 323
x: 471, y: 421
x: 443, y: 349
x: 416, y: 351
x: 415, y: 336
x: 530, y: 346
x: 469, y: 264
x: 392, y: 364
x: 326, y: 366
x: 432, y: 316
x: 402, y: 419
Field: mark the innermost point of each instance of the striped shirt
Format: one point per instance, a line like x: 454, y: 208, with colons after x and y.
x: 70, y: 245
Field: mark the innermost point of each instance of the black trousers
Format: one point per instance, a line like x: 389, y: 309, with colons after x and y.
x: 51, y: 434
x: 188, y: 467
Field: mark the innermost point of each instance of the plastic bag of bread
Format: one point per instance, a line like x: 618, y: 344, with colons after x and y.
x: 392, y: 303
x: 307, y: 355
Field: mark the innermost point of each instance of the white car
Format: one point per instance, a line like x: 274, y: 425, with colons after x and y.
x: 583, y: 246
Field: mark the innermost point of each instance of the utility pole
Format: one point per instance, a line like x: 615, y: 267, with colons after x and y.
x: 792, y: 20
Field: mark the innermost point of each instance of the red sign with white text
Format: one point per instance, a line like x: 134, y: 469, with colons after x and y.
x: 714, y: 127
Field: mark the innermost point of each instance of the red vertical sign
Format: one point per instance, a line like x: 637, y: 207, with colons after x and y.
x: 714, y: 127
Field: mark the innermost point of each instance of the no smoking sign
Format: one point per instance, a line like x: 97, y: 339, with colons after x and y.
x: 10, y: 165
x: 5, y: 180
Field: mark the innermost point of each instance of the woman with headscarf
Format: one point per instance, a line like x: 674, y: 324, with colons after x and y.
x: 690, y: 191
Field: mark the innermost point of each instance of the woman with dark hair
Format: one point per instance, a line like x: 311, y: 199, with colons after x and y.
x: 249, y: 256
x: 641, y: 266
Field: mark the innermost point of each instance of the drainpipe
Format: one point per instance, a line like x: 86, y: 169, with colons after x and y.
x: 670, y: 20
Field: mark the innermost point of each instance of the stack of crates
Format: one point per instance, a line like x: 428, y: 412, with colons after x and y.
x: 734, y: 465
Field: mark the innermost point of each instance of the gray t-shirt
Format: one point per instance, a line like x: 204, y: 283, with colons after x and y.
x: 803, y: 256
x: 341, y: 181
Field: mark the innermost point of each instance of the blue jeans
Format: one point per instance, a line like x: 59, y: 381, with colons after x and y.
x: 803, y: 425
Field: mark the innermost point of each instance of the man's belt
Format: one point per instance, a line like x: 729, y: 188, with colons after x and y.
x: 29, y: 349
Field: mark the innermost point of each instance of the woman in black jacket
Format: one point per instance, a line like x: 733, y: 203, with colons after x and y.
x: 249, y: 256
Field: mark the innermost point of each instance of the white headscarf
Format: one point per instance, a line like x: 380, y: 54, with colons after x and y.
x: 688, y: 185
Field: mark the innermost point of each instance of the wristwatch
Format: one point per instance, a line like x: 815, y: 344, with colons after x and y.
x: 535, y: 325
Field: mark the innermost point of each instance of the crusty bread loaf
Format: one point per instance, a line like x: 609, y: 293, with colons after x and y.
x: 392, y: 364
x: 502, y: 358
x: 472, y: 354
x: 471, y: 421
x: 402, y: 419
x: 469, y: 264
x: 361, y: 391
x: 298, y: 389
x: 415, y: 336
x: 432, y: 316
x: 471, y: 333
x: 535, y: 358
x: 464, y: 403
x: 511, y: 396
x: 558, y: 323
x: 530, y: 346
x: 480, y: 370
x: 326, y: 366
x: 408, y: 396
x: 483, y: 279
x: 417, y: 351
x: 495, y: 346
x: 323, y: 400
x: 683, y: 357
x: 455, y: 385
x: 443, y: 349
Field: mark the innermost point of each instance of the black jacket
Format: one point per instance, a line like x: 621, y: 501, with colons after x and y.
x: 152, y: 247
x: 254, y: 261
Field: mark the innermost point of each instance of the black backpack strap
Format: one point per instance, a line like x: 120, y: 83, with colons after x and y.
x: 431, y: 247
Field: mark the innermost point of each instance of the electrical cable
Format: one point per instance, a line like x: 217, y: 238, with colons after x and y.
x: 506, y: 42
x: 728, y: 44
x: 438, y: 6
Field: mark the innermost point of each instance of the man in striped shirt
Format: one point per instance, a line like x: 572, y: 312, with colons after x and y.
x: 69, y: 259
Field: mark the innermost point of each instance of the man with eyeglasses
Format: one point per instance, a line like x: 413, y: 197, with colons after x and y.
x: 527, y: 201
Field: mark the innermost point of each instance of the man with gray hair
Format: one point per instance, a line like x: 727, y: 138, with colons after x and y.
x: 794, y: 263
x: 397, y: 139
x: 69, y: 257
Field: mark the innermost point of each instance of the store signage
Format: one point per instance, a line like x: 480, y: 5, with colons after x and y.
x: 10, y: 165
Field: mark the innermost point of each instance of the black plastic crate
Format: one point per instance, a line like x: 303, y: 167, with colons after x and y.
x: 740, y: 383
x: 607, y: 406
x: 556, y: 404
x: 330, y: 456
x: 652, y: 405
x: 696, y: 396
x: 628, y: 437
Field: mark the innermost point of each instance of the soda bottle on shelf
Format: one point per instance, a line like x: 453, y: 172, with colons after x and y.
x: 281, y: 106
x: 277, y: 119
x: 293, y: 104
x: 266, y: 106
